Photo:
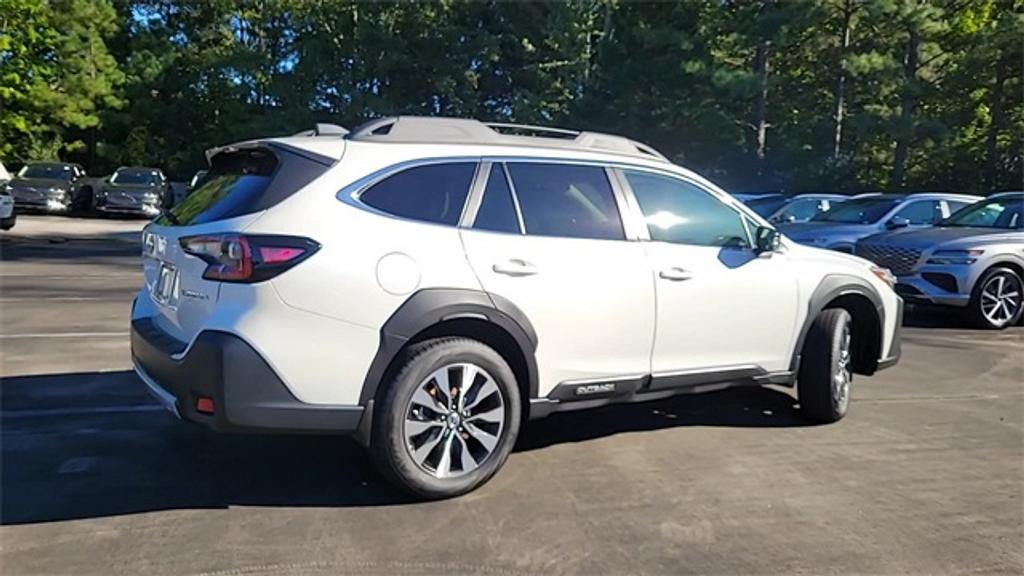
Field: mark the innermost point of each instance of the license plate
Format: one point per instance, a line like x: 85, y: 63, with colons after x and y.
x: 166, y: 284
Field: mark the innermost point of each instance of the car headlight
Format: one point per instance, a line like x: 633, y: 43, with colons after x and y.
x: 885, y: 275
x: 962, y: 257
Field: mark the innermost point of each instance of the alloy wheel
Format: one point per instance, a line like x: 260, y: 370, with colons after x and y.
x: 1000, y: 298
x: 843, y: 374
x: 454, y: 420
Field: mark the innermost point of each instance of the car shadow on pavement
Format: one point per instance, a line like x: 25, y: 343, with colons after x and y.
x: 92, y: 445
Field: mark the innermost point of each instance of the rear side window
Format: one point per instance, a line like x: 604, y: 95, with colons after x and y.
x: 433, y: 193
x: 242, y: 182
x: 497, y: 210
x: 566, y: 200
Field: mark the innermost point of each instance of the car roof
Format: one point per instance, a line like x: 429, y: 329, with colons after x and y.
x: 138, y: 169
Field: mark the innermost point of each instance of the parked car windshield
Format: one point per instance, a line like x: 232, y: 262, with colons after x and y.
x: 860, y: 211
x: 767, y: 206
x: 130, y: 176
x: 997, y: 213
x: 48, y: 171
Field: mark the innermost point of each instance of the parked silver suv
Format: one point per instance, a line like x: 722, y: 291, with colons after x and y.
x: 973, y: 260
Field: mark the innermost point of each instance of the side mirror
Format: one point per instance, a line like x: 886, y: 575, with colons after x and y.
x: 897, y: 222
x: 767, y: 240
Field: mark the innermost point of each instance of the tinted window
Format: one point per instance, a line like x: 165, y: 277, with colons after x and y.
x: 566, y: 200
x: 997, y: 213
x: 497, y: 211
x: 434, y: 193
x: 242, y: 182
x: 860, y: 211
x: 767, y: 206
x: 682, y: 213
x: 800, y: 210
x: 49, y: 171
x: 131, y: 176
x: 955, y: 205
x: 923, y: 212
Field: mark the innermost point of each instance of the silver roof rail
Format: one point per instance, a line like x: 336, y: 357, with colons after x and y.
x: 428, y: 130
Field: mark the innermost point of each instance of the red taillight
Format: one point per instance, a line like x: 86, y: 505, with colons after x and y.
x: 247, y: 258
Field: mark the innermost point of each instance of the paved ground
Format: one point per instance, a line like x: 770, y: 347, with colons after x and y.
x: 925, y: 475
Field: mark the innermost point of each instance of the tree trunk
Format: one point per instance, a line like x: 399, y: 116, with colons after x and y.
x: 991, y: 141
x: 908, y: 106
x: 762, y: 70
x: 844, y: 47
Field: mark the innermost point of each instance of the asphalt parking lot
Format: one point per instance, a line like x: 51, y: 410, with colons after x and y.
x: 926, y: 474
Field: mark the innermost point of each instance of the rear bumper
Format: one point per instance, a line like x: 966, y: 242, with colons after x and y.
x: 248, y: 395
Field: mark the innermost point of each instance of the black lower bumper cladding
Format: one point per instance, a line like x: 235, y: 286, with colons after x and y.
x: 248, y: 395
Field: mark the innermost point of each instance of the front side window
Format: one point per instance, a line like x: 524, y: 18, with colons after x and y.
x: 923, y: 212
x: 434, y: 193
x: 566, y: 200
x: 679, y: 212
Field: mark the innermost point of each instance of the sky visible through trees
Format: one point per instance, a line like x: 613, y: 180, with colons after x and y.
x: 801, y: 95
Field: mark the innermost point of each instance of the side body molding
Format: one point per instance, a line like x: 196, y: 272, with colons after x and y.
x: 432, y: 306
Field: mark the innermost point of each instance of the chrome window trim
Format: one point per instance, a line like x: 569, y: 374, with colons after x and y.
x: 350, y: 193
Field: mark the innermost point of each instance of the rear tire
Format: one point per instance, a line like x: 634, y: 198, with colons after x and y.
x: 996, y: 300
x: 826, y: 371
x: 438, y: 444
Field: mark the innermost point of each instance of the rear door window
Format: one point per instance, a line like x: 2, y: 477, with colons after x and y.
x: 566, y: 200
x: 433, y: 193
x: 922, y: 212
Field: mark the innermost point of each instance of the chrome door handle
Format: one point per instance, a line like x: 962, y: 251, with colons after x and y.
x: 515, y: 267
x: 675, y: 274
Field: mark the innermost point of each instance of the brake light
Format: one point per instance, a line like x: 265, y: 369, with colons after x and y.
x: 247, y: 258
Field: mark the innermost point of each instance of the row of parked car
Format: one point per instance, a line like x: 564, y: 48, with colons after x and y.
x: 65, y: 188
x: 946, y: 249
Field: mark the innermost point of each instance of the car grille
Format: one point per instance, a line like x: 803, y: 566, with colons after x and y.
x: 900, y: 260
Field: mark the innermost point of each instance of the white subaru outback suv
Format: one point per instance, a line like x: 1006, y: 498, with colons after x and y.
x: 429, y: 284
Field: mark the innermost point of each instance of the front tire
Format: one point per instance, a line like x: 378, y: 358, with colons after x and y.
x: 826, y: 369
x: 447, y: 420
x: 997, y: 299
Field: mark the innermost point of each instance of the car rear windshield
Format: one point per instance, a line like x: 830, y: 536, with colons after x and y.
x: 243, y: 182
x: 862, y: 211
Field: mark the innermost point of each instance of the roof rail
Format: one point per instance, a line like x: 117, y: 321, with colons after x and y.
x: 428, y: 129
x: 322, y: 129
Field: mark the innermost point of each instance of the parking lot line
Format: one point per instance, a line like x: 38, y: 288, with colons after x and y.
x: 29, y: 335
x: 59, y: 299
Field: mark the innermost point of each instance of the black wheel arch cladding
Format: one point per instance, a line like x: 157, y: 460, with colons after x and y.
x: 846, y: 291
x: 432, y: 307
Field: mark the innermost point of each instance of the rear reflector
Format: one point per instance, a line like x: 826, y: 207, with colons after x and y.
x: 204, y: 405
x: 247, y: 258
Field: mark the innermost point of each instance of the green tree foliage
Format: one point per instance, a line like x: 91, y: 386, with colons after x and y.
x: 757, y: 94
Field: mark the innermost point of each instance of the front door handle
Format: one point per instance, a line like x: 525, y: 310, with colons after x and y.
x: 515, y: 267
x: 675, y: 274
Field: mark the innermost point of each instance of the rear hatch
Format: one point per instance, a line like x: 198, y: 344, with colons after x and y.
x: 241, y: 184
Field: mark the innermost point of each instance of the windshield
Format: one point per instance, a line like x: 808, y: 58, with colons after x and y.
x: 1005, y: 213
x: 800, y: 210
x: 767, y: 206
x: 48, y: 171
x: 860, y: 211
x: 132, y: 176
